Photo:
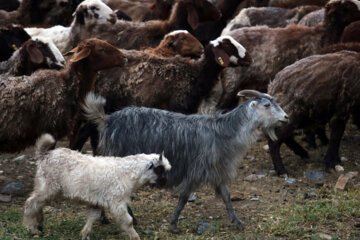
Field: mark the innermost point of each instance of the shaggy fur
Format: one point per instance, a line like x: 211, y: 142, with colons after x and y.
x: 314, y: 18
x: 186, y: 14
x: 351, y: 33
x: 202, y: 149
x: 97, y: 181
x: 296, y: 3
x: 314, y: 91
x: 275, y: 48
x: 47, y: 100
x: 31, y: 56
x: 269, y: 16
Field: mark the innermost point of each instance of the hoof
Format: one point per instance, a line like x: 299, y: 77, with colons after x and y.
x: 284, y: 175
x: 104, y: 220
x: 239, y: 225
x: 174, y: 229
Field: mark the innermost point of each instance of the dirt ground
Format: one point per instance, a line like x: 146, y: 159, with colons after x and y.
x: 251, y: 200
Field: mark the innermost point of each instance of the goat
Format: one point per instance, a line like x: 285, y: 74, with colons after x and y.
x: 47, y: 100
x: 31, y: 56
x: 269, y: 16
x: 86, y: 16
x: 11, y: 38
x: 202, y: 149
x: 317, y: 90
x: 186, y: 14
x: 175, y: 84
x: 97, y: 181
x: 275, y: 48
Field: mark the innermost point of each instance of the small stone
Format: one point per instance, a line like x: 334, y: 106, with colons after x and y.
x: 2, y: 178
x: 260, y: 175
x: 181, y: 217
x: 211, y: 217
x: 19, y: 177
x: 266, y: 147
x: 254, y: 199
x: 192, y: 197
x: 164, y: 221
x: 324, y: 236
x: 339, y: 168
x: 5, y: 198
x: 1, y: 171
x: 343, y: 159
x: 341, y: 183
x: 351, y: 175
x: 250, y: 157
x: 314, y: 175
x: 290, y: 180
x: 251, y: 178
x: 14, y: 188
x: 272, y: 172
x: 147, y: 232
x: 19, y: 159
x: 202, y: 227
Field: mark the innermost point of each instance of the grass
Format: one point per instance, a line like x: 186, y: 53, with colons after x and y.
x: 329, y: 212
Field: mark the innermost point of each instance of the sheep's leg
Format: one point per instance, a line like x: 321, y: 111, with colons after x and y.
x: 332, y: 154
x: 296, y: 148
x: 224, y: 192
x: 274, y: 148
x: 310, y: 139
x: 82, y: 136
x: 174, y: 219
x: 93, y: 215
x: 124, y: 220
x: 321, y: 133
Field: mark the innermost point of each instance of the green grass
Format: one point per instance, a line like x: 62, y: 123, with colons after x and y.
x: 328, y: 212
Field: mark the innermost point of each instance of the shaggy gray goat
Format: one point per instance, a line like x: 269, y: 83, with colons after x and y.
x: 202, y: 149
x: 97, y: 181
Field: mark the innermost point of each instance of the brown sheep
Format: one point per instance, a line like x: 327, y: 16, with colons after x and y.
x: 48, y: 100
x: 314, y: 91
x: 351, y: 33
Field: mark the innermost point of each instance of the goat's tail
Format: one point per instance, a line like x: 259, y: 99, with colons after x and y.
x: 94, y: 110
x: 45, y: 143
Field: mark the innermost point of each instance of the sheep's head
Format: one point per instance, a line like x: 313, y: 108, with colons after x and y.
x: 183, y: 43
x: 157, y: 169
x: 228, y: 52
x: 162, y: 8
x: 92, y: 12
x: 11, y: 38
x: 98, y: 54
x: 41, y: 55
x: 268, y: 113
x: 200, y: 11
x: 346, y: 11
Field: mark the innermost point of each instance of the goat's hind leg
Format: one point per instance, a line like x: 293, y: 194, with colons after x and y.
x: 124, y: 220
x: 93, y: 215
x: 183, y: 199
x: 223, y: 191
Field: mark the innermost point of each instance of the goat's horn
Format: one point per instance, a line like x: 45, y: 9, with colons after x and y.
x: 249, y: 93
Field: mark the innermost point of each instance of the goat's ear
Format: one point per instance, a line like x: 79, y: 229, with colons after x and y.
x: 35, y: 54
x: 83, y: 53
x: 253, y: 104
x: 192, y: 16
x: 151, y: 165
x: 72, y: 51
x: 221, y: 57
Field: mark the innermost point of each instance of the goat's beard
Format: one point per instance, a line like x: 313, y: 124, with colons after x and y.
x: 271, y: 133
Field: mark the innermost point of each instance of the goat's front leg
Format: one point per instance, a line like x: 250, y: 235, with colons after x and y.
x: 225, y: 195
x: 274, y: 148
x: 174, y: 219
x: 92, y: 216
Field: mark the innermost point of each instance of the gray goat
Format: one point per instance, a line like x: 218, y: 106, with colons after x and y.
x: 202, y: 149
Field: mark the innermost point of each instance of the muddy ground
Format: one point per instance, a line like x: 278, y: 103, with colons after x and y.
x: 253, y: 201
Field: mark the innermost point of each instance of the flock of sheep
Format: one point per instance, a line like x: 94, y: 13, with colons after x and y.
x: 138, y: 77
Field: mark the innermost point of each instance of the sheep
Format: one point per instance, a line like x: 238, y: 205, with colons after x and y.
x: 31, y: 56
x: 269, y: 16
x: 275, y: 48
x: 175, y: 84
x: 296, y: 3
x: 11, y: 38
x: 186, y: 14
x: 48, y: 100
x: 314, y: 91
x: 86, y: 15
x: 178, y: 42
x: 20, y: 16
x: 202, y: 149
x: 97, y: 181
x: 312, y: 19
x: 351, y: 33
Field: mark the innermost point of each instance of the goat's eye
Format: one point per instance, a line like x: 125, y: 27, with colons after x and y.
x: 267, y: 105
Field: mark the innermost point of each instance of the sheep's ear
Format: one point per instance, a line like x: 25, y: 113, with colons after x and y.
x: 35, y: 54
x: 83, y: 53
x: 221, y: 57
x: 72, y: 51
x: 192, y: 17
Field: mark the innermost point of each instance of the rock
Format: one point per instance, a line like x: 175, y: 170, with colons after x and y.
x: 192, y: 197
x: 254, y: 199
x: 290, y: 180
x: 339, y: 168
x: 1, y: 172
x: 5, y: 198
x: 211, y: 217
x: 19, y: 159
x: 164, y: 221
x: 266, y: 147
x: 324, y: 236
x: 147, y: 232
x: 272, y: 172
x: 260, y: 175
x: 341, y: 183
x: 14, y: 188
x: 351, y: 175
x: 314, y: 175
x: 202, y: 227
x: 343, y: 159
x: 181, y: 217
x: 251, y: 178
x: 250, y: 157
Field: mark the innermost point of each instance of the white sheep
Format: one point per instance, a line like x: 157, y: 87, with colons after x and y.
x: 98, y: 181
